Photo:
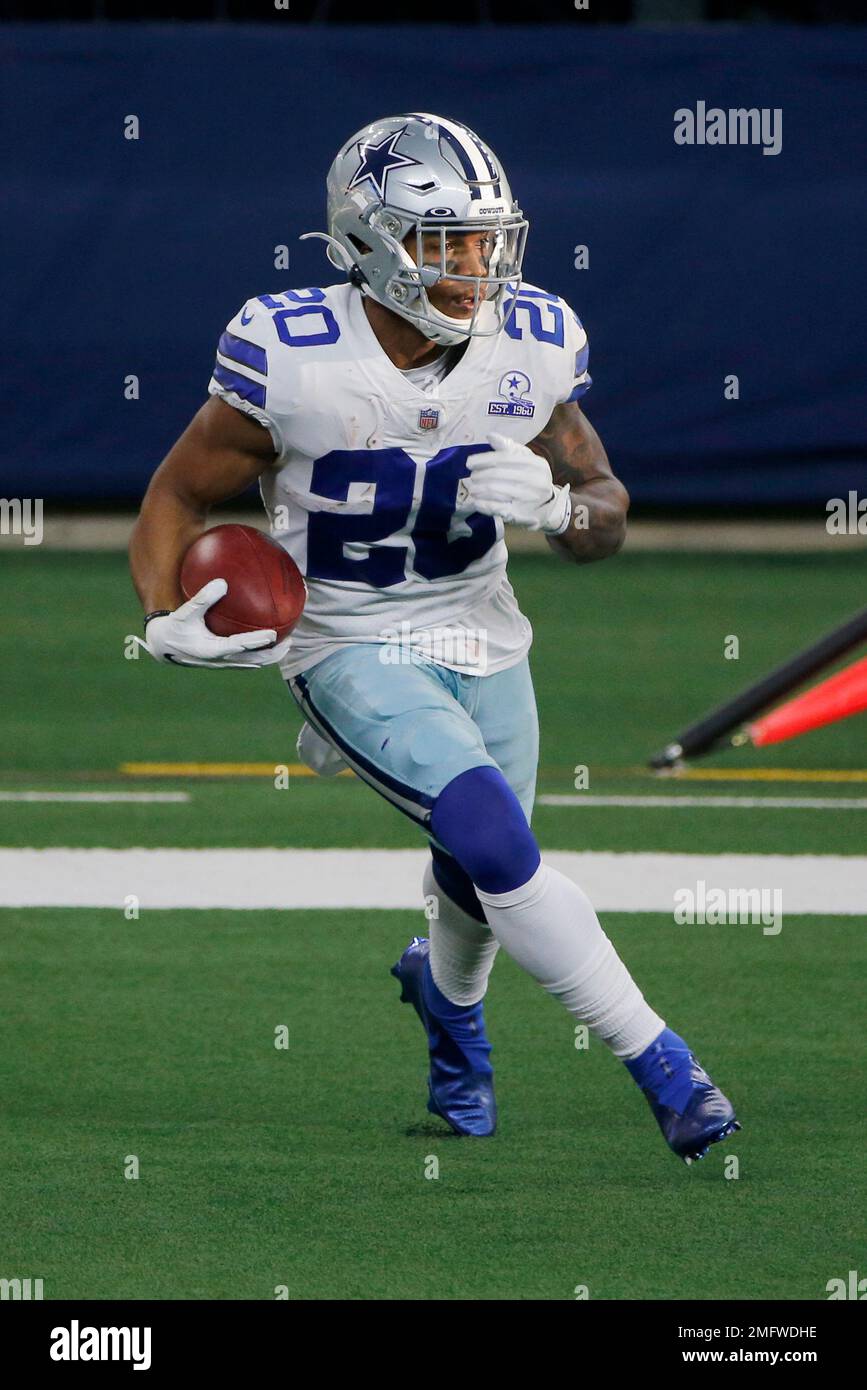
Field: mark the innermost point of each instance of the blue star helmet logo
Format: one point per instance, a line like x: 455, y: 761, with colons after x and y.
x: 377, y: 161
x: 514, y: 386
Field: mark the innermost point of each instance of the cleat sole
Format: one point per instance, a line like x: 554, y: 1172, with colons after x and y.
x: 724, y: 1133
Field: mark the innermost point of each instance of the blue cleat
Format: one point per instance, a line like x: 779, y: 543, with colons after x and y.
x: 690, y: 1110
x: 461, y: 1080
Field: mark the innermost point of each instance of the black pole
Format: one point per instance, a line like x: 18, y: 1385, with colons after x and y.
x: 700, y: 737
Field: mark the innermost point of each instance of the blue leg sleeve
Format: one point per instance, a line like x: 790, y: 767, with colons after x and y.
x: 479, y: 820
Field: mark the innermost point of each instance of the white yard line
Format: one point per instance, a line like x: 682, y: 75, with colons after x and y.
x: 89, y: 797
x: 735, y: 803
x: 355, y: 879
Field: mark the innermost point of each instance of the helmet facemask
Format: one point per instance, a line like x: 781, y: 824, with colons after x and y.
x: 407, y: 290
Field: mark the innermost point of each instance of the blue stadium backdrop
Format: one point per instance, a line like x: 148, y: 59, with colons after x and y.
x: 128, y: 257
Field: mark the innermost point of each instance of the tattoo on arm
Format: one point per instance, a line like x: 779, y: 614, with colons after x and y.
x: 577, y: 457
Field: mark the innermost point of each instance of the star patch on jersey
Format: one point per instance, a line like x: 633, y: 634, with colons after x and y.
x: 377, y: 161
x: 512, y: 390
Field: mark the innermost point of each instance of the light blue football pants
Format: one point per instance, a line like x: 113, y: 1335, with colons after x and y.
x: 410, y: 728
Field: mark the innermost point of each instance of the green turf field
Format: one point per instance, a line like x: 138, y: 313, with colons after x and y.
x: 304, y: 1167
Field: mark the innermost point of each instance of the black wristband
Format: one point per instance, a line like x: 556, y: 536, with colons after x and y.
x: 157, y: 613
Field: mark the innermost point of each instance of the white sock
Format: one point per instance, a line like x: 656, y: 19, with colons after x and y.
x: 462, y: 949
x: 549, y: 927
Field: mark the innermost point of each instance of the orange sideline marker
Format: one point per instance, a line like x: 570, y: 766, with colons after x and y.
x: 836, y: 698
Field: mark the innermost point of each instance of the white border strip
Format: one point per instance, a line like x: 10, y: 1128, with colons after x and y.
x: 358, y: 879
x: 91, y: 797
x: 734, y: 803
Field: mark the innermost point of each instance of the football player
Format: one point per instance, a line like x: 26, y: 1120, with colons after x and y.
x: 396, y: 421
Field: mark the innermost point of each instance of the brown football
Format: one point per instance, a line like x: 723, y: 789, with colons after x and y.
x: 266, y: 588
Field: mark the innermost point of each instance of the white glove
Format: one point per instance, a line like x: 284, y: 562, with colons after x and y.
x: 184, y: 639
x: 317, y: 754
x: 513, y: 482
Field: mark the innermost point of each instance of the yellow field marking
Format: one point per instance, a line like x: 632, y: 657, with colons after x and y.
x: 216, y: 770
x: 689, y: 774
x: 770, y: 774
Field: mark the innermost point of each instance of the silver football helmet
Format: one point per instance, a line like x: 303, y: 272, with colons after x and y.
x: 428, y: 176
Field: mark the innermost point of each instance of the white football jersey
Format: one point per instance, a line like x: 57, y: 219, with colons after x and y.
x: 365, y: 490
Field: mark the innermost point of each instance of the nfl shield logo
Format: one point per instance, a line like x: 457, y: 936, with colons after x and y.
x: 428, y: 419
